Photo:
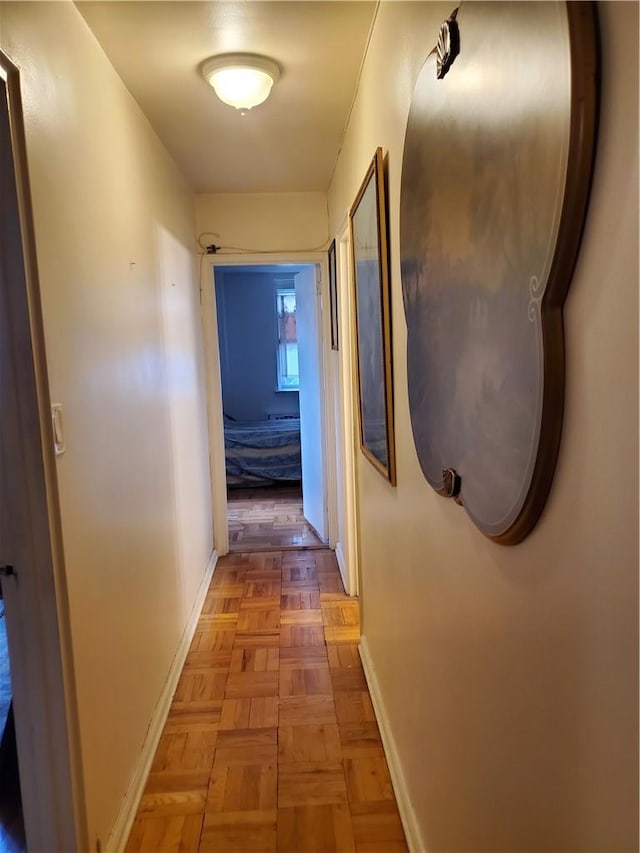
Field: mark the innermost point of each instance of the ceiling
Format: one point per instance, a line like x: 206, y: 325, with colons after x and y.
x: 288, y: 144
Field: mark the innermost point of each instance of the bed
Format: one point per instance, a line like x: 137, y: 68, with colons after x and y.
x: 261, y: 453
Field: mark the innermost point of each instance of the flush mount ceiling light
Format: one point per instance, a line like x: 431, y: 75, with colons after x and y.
x: 241, y: 80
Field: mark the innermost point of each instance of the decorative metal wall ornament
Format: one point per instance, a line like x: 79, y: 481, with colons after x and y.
x: 448, y: 46
x: 495, y: 178
x: 451, y: 483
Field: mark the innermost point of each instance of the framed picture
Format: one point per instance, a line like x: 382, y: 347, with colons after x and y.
x: 333, y: 296
x: 368, y: 226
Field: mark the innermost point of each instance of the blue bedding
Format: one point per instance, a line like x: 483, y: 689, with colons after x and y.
x: 262, y: 452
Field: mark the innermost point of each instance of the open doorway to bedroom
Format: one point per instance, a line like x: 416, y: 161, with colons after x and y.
x: 270, y: 371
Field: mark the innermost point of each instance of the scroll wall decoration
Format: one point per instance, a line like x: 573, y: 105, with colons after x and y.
x: 495, y: 179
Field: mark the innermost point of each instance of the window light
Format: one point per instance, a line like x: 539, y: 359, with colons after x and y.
x: 288, y: 373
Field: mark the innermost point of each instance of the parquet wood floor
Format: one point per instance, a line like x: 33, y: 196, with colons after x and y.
x: 271, y: 744
x: 268, y: 519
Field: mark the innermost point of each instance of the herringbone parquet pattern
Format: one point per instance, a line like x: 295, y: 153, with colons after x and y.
x: 271, y: 743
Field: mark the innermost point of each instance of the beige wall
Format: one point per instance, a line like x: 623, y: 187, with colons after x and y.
x: 263, y: 222
x: 509, y: 675
x: 115, y: 227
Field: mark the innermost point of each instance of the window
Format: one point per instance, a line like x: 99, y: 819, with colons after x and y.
x: 288, y: 378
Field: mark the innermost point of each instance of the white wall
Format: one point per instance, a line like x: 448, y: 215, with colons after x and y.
x: 115, y: 225
x: 264, y: 222
x: 508, y: 676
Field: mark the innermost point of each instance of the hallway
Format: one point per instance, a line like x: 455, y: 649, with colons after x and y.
x: 271, y: 742
x: 504, y: 676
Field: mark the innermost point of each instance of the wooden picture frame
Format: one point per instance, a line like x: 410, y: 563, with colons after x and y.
x: 370, y: 264
x: 333, y: 296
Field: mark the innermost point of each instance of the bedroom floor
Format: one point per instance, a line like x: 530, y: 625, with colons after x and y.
x: 269, y: 518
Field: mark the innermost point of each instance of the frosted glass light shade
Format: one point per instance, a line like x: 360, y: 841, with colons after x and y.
x: 241, y: 80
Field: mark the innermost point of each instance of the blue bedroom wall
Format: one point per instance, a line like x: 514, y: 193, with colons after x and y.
x: 248, y: 334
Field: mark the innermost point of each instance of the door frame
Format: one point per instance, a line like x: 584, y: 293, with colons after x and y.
x: 36, y: 598
x: 346, y: 397
x: 214, y: 382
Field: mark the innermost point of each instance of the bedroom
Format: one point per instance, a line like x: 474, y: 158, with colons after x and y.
x: 271, y: 430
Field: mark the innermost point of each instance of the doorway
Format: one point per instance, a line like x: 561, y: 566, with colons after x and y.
x: 31, y: 562
x: 12, y: 835
x: 271, y: 382
x: 227, y: 345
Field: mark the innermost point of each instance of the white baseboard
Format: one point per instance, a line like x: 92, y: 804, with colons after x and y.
x: 342, y: 565
x: 407, y: 814
x: 122, y: 827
